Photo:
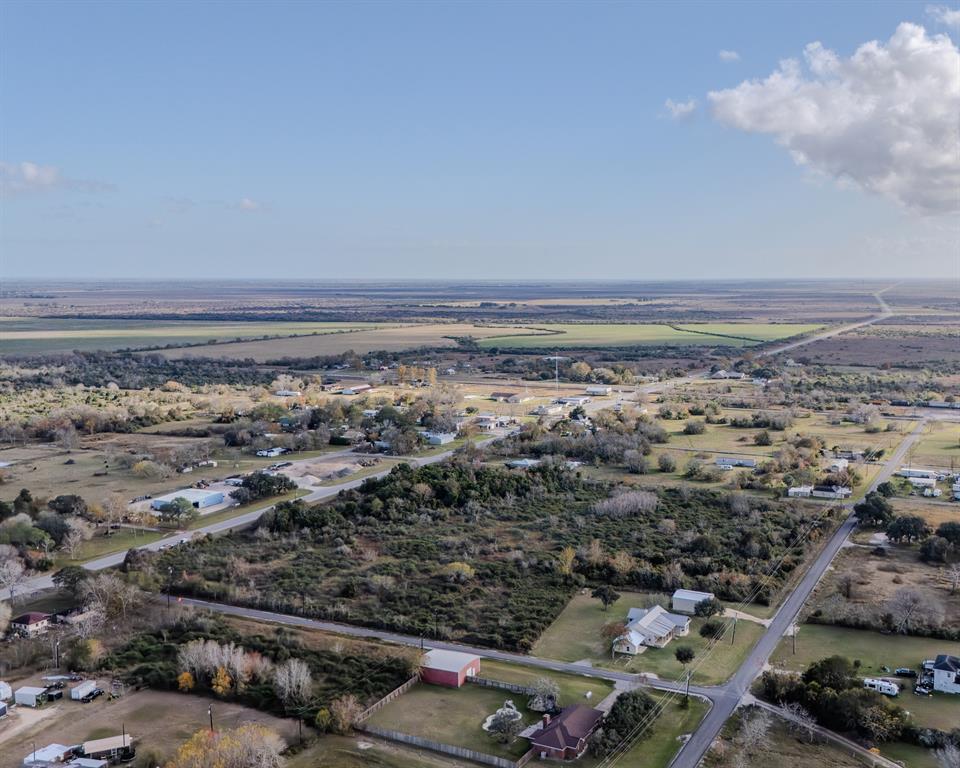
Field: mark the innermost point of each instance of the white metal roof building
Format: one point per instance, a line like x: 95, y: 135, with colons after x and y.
x: 52, y: 753
x: 447, y: 661
x: 199, y: 497
x: 685, y: 600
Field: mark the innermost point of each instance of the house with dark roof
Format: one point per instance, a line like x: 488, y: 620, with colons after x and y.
x: 564, y: 737
x: 30, y: 624
x: 946, y: 674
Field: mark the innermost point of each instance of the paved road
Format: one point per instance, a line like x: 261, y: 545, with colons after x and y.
x: 38, y: 583
x: 733, y: 691
x: 417, y: 642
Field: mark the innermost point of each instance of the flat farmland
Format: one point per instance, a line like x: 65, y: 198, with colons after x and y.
x: 939, y: 446
x: 388, y: 338
x: 649, y: 334
x: 29, y: 336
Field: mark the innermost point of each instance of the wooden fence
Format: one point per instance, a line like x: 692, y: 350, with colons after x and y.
x: 395, y: 693
x: 512, y: 687
x: 447, y: 749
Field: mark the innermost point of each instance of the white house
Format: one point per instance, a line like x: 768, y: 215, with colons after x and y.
x: 650, y: 627
x: 800, y: 491
x: 830, y: 492
x: 439, y: 438
x: 909, y: 472
x: 29, y: 696
x: 735, y: 461
x: 838, y: 465
x: 599, y: 389
x: 946, y: 674
x: 30, y: 624
x: 686, y: 600
x: 922, y: 482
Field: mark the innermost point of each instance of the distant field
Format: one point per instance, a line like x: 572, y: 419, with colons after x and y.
x: 25, y: 336
x: 627, y: 334
x: 390, y: 338
x: 939, y: 446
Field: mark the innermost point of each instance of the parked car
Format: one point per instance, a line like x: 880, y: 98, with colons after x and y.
x: 923, y: 690
x: 92, y: 695
x: 905, y: 672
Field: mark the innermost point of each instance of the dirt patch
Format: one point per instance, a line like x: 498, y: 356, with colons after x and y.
x: 159, y: 720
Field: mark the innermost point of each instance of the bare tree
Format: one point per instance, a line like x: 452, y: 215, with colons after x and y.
x: 5, y: 613
x: 911, y: 609
x: 11, y: 574
x: 800, y: 721
x: 293, y: 682
x: 110, y: 594
x: 754, y: 731
x: 953, y: 576
x: 80, y: 531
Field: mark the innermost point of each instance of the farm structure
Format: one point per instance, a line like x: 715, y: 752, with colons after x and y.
x: 448, y: 668
x: 686, y: 600
x: 198, y: 497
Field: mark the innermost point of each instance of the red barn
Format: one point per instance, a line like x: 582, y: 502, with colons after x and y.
x: 448, y: 668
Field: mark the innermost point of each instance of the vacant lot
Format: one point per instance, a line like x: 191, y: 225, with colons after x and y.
x: 576, y: 636
x: 34, y: 336
x: 939, y: 446
x: 160, y: 721
x: 875, y: 651
x: 870, y: 350
x: 626, y: 335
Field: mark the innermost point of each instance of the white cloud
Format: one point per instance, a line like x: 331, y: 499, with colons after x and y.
x: 26, y: 177
x: 729, y: 55
x: 885, y: 119
x: 246, y: 204
x: 948, y: 16
x: 680, y: 109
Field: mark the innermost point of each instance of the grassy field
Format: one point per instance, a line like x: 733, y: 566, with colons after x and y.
x: 939, y: 446
x: 366, y: 752
x: 390, y: 338
x: 875, y: 651
x: 573, y: 688
x: 453, y: 716
x: 934, y: 512
x: 626, y: 334
x: 575, y: 636
x: 49, y: 335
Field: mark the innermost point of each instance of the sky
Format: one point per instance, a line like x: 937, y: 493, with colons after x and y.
x: 515, y: 140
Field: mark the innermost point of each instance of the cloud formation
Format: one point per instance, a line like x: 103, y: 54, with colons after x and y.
x: 246, y: 204
x: 26, y: 177
x: 884, y: 119
x: 680, y: 109
x: 945, y: 15
x: 726, y: 55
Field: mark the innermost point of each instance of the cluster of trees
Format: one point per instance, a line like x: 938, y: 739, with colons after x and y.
x: 260, y: 485
x: 935, y: 546
x: 248, y: 746
x: 488, y: 555
x: 630, y: 717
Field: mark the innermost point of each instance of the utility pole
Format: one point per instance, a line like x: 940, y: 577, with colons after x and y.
x: 210, y: 713
x: 733, y: 637
x: 796, y: 629
x: 689, y: 673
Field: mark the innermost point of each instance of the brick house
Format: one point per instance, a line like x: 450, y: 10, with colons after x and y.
x: 564, y: 737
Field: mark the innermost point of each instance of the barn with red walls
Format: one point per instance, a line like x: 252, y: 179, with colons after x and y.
x: 448, y: 668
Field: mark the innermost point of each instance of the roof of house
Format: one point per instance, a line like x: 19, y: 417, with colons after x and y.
x: 107, y: 744
x: 31, y: 689
x: 34, y: 617
x: 52, y: 752
x: 568, y: 728
x: 656, y: 621
x: 692, y: 594
x: 947, y: 663
x: 447, y: 661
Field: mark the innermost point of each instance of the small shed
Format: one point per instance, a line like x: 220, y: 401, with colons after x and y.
x: 29, y: 696
x: 111, y: 748
x: 685, y: 600
x: 6, y: 692
x: 448, y: 668
x: 82, y: 689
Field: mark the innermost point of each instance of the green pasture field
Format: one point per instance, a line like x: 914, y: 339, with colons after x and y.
x: 50, y: 335
x: 575, y: 635
x: 939, y: 446
x: 627, y: 334
x: 874, y: 650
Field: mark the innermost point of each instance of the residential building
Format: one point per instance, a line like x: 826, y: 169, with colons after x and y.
x: 686, y: 600
x: 838, y: 465
x: 199, y: 498
x: 650, y: 627
x: 722, y: 374
x: 830, y: 492
x: 356, y: 389
x: 735, y: 461
x: 573, y: 400
x: 31, y: 624
x: 438, y: 438
x: 910, y: 472
x: 548, y: 410
x: 112, y: 748
x: 946, y: 674
x: 922, y: 482
x: 271, y: 453
x: 800, y: 491
x: 448, y: 668
x: 52, y: 753
x: 599, y: 389
x: 564, y: 737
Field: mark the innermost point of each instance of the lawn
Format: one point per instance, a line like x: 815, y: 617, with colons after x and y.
x: 575, y: 636
x: 347, y: 752
x: 634, y: 334
x: 934, y: 512
x: 453, y: 716
x: 875, y: 651
x: 658, y: 749
x: 573, y: 688
x: 101, y: 544
x: 939, y: 446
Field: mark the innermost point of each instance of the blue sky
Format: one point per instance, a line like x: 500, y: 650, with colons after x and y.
x: 418, y: 140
